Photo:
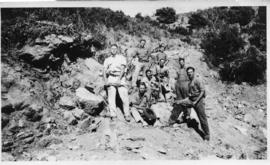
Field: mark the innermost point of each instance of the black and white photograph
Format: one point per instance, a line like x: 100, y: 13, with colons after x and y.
x: 133, y: 81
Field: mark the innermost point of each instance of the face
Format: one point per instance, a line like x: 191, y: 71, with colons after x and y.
x: 113, y: 50
x: 149, y: 74
x: 93, y: 49
x: 142, y: 43
x: 162, y: 49
x: 182, y: 63
x: 76, y: 84
x: 142, y: 89
x: 190, y: 73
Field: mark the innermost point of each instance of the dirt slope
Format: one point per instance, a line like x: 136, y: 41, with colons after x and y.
x: 235, y: 132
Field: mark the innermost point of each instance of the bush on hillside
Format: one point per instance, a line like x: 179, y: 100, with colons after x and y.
x: 225, y: 49
x: 166, y: 15
x: 241, y: 15
x: 23, y: 26
x: 197, y: 20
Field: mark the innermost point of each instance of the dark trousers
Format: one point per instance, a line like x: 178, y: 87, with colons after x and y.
x: 199, y: 109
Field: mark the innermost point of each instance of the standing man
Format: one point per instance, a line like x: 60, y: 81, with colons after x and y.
x: 143, y: 56
x: 163, y: 77
x: 181, y: 87
x: 114, y: 70
x: 195, y: 100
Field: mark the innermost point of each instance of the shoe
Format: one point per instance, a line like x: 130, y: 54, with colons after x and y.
x: 127, y: 118
x: 113, y: 117
x: 206, y: 138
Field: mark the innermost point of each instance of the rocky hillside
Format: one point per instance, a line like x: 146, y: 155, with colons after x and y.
x: 54, y: 106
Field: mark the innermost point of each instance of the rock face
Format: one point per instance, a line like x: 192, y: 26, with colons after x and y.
x: 91, y: 103
x: 67, y: 102
x: 162, y: 111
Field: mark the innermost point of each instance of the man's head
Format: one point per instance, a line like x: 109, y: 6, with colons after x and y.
x: 190, y: 72
x: 114, y: 49
x: 76, y: 84
x: 93, y: 48
x: 162, y: 62
x: 142, y: 43
x: 162, y: 47
x: 182, y: 62
x: 148, y: 73
x: 142, y: 88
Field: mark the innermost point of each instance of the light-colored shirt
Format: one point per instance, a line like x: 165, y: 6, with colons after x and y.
x: 143, y: 54
x: 148, y: 82
x: 114, y: 64
x: 163, y: 71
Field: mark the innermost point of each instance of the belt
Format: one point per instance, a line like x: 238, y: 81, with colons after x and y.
x: 114, y: 75
x: 143, y: 60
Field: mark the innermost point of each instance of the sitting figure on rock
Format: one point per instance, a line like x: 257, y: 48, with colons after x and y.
x: 139, y: 106
x: 149, y: 80
x: 113, y: 73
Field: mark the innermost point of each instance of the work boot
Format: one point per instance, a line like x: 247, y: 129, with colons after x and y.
x: 127, y: 118
x: 206, y: 138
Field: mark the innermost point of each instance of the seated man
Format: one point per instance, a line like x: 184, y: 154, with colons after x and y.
x: 149, y: 80
x: 139, y: 102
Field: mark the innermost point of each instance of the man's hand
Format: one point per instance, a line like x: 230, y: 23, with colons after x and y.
x: 118, y: 82
x: 194, y: 103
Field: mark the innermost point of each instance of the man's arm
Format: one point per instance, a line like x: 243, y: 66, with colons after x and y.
x: 123, y: 67
x: 202, y: 92
x: 105, y: 68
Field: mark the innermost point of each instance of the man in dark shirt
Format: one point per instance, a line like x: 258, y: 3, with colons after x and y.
x: 195, y: 100
x: 181, y: 87
x: 139, y: 101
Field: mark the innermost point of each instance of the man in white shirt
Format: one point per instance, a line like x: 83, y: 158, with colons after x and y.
x: 114, y: 70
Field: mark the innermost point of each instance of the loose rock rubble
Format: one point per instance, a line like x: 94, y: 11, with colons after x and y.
x: 42, y: 111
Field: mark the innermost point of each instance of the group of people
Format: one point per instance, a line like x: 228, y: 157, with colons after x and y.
x: 149, y: 84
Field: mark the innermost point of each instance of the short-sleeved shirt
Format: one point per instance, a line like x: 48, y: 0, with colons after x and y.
x: 154, y: 100
x: 182, y: 75
x: 149, y: 82
x: 195, y: 88
x: 161, y: 55
x: 114, y: 65
x: 143, y: 54
x: 142, y: 101
x: 163, y: 71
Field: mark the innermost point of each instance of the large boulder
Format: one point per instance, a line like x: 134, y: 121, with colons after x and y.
x: 35, y: 53
x: 18, y: 99
x: 69, y: 117
x: 67, y: 102
x: 91, y: 103
x: 40, y: 54
x: 33, y: 113
x: 162, y: 111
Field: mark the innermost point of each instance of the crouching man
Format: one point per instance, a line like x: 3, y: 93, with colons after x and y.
x: 194, y: 100
x: 140, y: 105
